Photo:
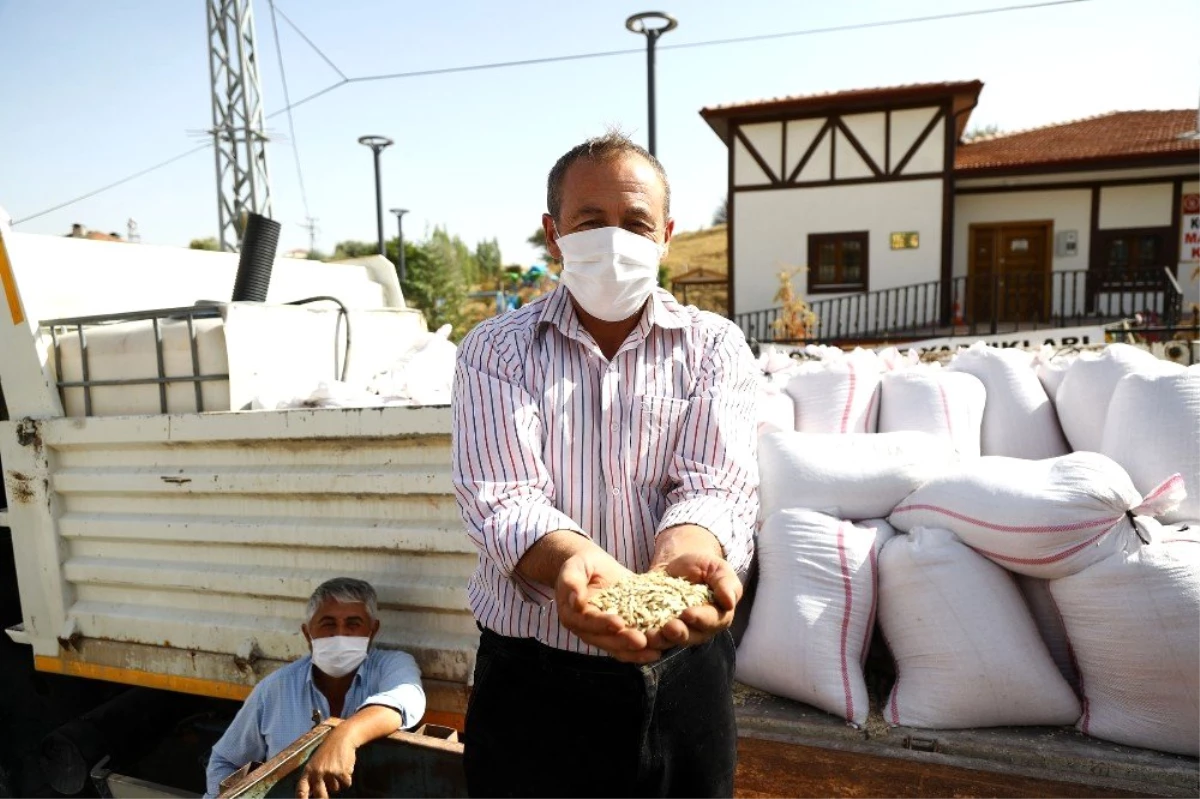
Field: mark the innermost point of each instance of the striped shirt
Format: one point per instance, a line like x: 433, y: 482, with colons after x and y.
x: 550, y: 435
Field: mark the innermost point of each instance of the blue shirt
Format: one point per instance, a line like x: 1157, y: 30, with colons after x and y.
x: 281, y: 708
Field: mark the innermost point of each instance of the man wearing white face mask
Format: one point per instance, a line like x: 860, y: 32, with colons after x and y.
x: 600, y: 431
x: 375, y: 691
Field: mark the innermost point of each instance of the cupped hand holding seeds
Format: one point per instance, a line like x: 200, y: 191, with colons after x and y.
x: 692, y: 553
x: 587, y: 571
x: 646, y: 602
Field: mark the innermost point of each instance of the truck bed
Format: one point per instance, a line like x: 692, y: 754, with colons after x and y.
x: 790, y: 749
x: 178, y: 551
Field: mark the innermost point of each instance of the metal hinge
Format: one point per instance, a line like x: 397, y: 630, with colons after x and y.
x: 921, y: 744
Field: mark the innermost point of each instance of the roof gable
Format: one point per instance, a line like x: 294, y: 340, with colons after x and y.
x: 962, y: 95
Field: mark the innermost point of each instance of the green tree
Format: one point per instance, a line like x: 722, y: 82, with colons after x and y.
x: 487, y: 258
x: 435, y: 281
x: 465, y: 261
x: 538, y: 239
x: 721, y: 215
x: 209, y: 243
x: 986, y: 131
x: 355, y: 249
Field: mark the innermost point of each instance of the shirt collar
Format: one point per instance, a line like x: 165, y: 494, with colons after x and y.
x: 662, y: 310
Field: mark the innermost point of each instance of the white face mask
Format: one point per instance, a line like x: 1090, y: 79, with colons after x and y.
x: 609, y: 271
x: 339, y: 655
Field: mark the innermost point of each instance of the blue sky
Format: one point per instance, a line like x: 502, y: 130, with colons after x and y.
x: 95, y: 90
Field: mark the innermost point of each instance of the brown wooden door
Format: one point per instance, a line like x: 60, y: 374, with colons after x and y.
x: 1009, y: 272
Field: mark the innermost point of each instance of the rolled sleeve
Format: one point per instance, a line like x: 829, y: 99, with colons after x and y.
x: 397, y: 685
x: 715, y: 466
x: 505, y: 492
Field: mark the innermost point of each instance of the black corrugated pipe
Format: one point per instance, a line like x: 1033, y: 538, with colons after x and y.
x: 259, y: 244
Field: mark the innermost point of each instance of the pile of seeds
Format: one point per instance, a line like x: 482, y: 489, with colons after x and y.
x: 648, y: 601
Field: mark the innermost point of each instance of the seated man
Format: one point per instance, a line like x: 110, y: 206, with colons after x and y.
x: 376, y: 691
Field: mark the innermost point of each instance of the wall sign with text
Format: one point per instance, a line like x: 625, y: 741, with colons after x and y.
x: 1189, y: 229
x: 910, y: 240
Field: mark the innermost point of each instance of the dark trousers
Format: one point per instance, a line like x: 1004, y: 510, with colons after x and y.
x: 543, y: 722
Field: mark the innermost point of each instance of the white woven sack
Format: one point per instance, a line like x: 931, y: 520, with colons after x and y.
x: 946, y: 404
x: 966, y: 649
x: 1018, y: 421
x: 891, y: 359
x: 837, y: 396
x: 1134, y: 624
x: 853, y: 476
x: 776, y: 411
x: 1087, y: 388
x: 1051, y: 367
x: 1153, y: 430
x: 1047, y: 518
x: 1050, y: 626
x: 814, y: 611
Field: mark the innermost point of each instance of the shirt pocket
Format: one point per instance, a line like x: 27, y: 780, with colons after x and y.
x: 656, y: 426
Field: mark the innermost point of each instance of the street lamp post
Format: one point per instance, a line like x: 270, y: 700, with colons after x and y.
x: 400, y: 212
x: 377, y: 144
x: 638, y: 24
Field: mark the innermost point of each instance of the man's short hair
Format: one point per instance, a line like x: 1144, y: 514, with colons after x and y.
x: 602, y: 148
x: 344, y: 589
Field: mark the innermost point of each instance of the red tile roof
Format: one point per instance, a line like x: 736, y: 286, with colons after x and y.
x: 1117, y: 137
x: 963, y: 93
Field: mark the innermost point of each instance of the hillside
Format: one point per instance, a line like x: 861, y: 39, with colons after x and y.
x: 700, y: 249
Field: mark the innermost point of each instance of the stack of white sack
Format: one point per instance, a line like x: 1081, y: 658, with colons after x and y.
x: 966, y: 649
x: 839, y: 395
x: 814, y: 611
x: 1048, y: 518
x: 936, y: 401
x: 1051, y: 365
x: 424, y: 375
x: 1087, y: 388
x: 1050, y: 624
x: 1018, y: 420
x: 853, y: 476
x: 1153, y: 429
x: 891, y: 359
x: 776, y: 411
x: 1133, y: 621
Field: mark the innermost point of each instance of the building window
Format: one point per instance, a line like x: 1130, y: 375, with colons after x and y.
x: 837, y: 262
x: 1132, y: 257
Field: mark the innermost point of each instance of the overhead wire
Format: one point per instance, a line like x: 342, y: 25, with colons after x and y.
x: 289, y: 106
x: 287, y: 99
x: 710, y: 42
x: 309, y: 41
x: 115, y: 183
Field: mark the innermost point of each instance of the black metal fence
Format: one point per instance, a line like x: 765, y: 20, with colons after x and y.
x: 979, y: 305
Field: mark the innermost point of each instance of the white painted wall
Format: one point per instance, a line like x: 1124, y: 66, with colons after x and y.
x: 800, y: 135
x: 772, y: 228
x: 746, y: 171
x: 870, y: 130
x: 767, y: 139
x: 906, y: 127
x: 1136, y: 206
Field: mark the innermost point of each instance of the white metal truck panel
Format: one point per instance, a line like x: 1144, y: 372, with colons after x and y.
x: 161, y: 542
